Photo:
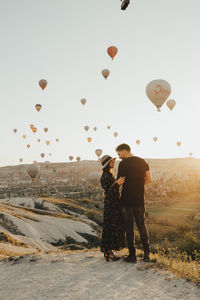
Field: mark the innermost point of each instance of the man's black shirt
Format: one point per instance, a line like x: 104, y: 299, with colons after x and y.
x: 134, y: 169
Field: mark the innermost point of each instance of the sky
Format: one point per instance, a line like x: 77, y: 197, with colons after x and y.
x: 65, y: 42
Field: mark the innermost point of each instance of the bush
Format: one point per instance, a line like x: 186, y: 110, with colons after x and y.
x: 188, y: 242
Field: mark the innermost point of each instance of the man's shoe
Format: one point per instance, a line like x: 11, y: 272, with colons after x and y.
x: 125, y: 4
x: 131, y: 258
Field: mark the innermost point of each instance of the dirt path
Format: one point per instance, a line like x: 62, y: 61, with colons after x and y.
x: 87, y: 275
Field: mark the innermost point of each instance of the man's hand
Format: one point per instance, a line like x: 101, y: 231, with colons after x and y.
x: 121, y: 180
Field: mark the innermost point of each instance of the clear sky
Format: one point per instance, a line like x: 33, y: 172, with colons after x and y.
x: 65, y: 42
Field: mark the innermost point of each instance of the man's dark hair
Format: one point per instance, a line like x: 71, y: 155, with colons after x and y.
x: 123, y: 147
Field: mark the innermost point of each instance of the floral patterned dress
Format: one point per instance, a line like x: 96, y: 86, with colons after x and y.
x: 113, y: 231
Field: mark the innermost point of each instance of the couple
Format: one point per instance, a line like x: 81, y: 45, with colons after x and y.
x: 121, y: 211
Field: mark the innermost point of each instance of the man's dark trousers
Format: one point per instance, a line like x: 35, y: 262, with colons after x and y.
x: 138, y: 214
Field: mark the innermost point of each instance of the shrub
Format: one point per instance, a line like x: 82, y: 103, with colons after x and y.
x: 188, y: 242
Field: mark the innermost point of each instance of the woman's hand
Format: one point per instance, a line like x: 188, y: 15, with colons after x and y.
x: 121, y: 180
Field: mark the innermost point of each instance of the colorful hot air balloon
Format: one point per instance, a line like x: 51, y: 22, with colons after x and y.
x: 42, y: 155
x: 15, y: 130
x: 21, y: 159
x: 155, y: 138
x: 28, y: 146
x: 83, y: 101
x: 95, y: 128
x: 171, y: 103
x: 105, y: 73
x: 42, y: 83
x: 38, y: 140
x: 98, y: 152
x: 34, y: 129
x: 112, y: 51
x: 78, y: 158
x: 71, y: 157
x: 178, y: 144
x: 158, y: 91
x: 38, y: 107
x: 46, y: 129
x: 108, y: 127
x: 33, y: 171
x: 46, y: 164
x: 47, y: 143
x: 89, y: 139
x: 31, y: 125
x: 86, y: 128
x: 137, y: 142
x: 24, y: 136
x: 57, y: 140
x: 115, y: 134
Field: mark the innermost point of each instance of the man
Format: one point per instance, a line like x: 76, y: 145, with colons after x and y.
x: 137, y: 174
x: 125, y: 4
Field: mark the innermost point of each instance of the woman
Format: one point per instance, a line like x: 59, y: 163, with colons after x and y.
x: 113, y: 232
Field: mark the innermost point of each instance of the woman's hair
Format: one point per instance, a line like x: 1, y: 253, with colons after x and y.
x: 107, y: 168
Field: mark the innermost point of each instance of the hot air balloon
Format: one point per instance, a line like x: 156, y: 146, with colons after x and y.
x: 171, y: 103
x: 47, y: 143
x: 98, y: 152
x: 38, y: 107
x: 15, y: 130
x: 42, y: 155
x: 21, y: 159
x: 24, y: 136
x: 158, y: 91
x: 108, y: 127
x: 155, y: 138
x: 178, y: 144
x: 137, y: 142
x: 105, y: 73
x: 95, y: 128
x: 57, y: 140
x: 86, y: 128
x: 42, y: 83
x: 33, y: 171
x: 78, y: 158
x: 46, y: 163
x: 89, y: 139
x: 190, y: 154
x: 28, y: 146
x: 71, y: 157
x: 34, y: 129
x: 112, y: 51
x: 38, y: 140
x: 125, y: 4
x: 31, y: 125
x: 83, y: 101
x: 115, y: 134
x: 94, y: 178
x: 46, y: 129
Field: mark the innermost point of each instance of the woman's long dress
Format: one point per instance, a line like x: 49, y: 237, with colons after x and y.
x: 113, y: 231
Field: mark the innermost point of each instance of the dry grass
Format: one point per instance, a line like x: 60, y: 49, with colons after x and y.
x: 6, y: 238
x: 180, y: 264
